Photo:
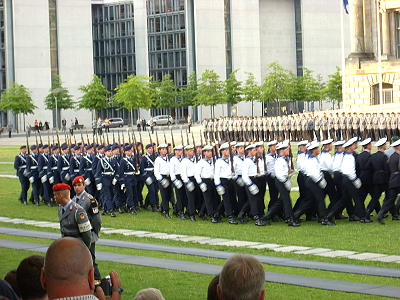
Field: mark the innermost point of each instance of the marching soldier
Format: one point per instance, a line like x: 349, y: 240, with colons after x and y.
x: 147, y: 171
x: 388, y: 120
x: 324, y: 126
x: 337, y: 175
x: 127, y: 177
x: 20, y: 162
x: 355, y: 123
x: 362, y: 126
x: 382, y: 126
x: 175, y: 172
x: 204, y: 175
x: 380, y: 176
x: 240, y: 187
x: 342, y: 126
x: 317, y: 127
x: 86, y: 169
x: 43, y: 162
x: 304, y: 133
x: 105, y: 180
x: 326, y: 166
x: 394, y: 186
x: 63, y: 165
x: 90, y: 205
x: 364, y: 171
x: 349, y: 126
x: 119, y: 196
x: 310, y: 127
x: 161, y: 173
x: 393, y: 125
x: 52, y: 170
x: 188, y: 168
x: 270, y: 159
x: 33, y: 173
x: 368, y: 126
x: 301, y: 177
x: 74, y: 221
x: 75, y: 162
x: 375, y: 126
x: 223, y: 179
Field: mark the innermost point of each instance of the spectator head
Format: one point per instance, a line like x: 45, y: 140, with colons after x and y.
x: 68, y: 269
x: 241, y: 278
x: 11, y: 278
x: 28, y: 278
x: 212, y: 289
x: 149, y: 294
x: 6, y: 291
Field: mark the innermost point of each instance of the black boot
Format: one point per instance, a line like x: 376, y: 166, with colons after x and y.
x: 112, y: 214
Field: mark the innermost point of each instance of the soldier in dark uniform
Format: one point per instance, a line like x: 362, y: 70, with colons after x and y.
x: 139, y: 179
x: 43, y: 162
x: 119, y: 196
x: 74, y: 162
x: 147, y: 172
x: 33, y: 173
x: 99, y: 155
x: 86, y: 169
x: 63, y: 165
x: 127, y: 177
x: 90, y: 205
x: 105, y: 180
x: 394, y: 186
x: 52, y: 171
x: 74, y: 221
x: 20, y: 166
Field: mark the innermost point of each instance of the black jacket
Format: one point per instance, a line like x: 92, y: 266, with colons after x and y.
x: 380, y: 168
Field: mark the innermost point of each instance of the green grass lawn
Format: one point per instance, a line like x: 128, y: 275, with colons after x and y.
x: 179, y: 285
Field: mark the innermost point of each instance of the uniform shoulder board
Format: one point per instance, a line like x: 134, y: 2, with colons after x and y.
x: 90, y: 196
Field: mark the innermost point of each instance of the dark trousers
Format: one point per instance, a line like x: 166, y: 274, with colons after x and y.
x: 254, y: 200
x: 36, y: 189
x: 377, y: 190
x: 210, y: 198
x: 284, y: 199
x: 108, y: 196
x: 330, y: 188
x: 389, y: 203
x: 241, y: 196
x: 151, y: 197
x: 229, y: 198
x: 166, y: 195
x: 46, y: 191
x: 118, y: 196
x: 273, y: 191
x: 192, y: 198
x: 24, y: 181
x: 131, y: 195
x: 181, y: 201
x: 351, y: 193
x: 263, y: 189
x: 318, y: 196
x: 303, y: 196
x: 92, y: 249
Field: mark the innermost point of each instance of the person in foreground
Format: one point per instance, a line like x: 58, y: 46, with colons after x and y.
x: 241, y: 278
x: 68, y: 273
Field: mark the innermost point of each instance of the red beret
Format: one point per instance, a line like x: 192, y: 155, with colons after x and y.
x: 78, y: 179
x: 61, y: 187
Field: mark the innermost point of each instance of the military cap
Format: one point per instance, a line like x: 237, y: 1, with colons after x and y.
x: 77, y: 147
x: 178, y: 147
x: 327, y: 142
x: 99, y: 147
x: 107, y: 148
x: 64, y: 146
x: 128, y: 148
x: 33, y: 147
x: 188, y: 147
x: 259, y: 144
x: 251, y: 146
x: 224, y: 146
x: 72, y: 146
x: 207, y: 148
x: 40, y: 146
x: 366, y: 142
x: 115, y: 146
x: 162, y: 146
x: 22, y: 147
x: 313, y: 145
x: 350, y: 142
x: 271, y: 143
x: 240, y: 144
x: 54, y: 147
x: 149, y: 146
x: 78, y: 179
x: 88, y: 147
x: 199, y: 145
x: 302, y: 143
x: 233, y: 143
x: 381, y: 142
x: 61, y: 187
x: 339, y: 143
x: 395, y: 144
x: 282, y: 145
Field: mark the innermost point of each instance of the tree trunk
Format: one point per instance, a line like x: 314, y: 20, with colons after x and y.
x: 24, y: 123
x: 132, y: 117
x: 252, y: 108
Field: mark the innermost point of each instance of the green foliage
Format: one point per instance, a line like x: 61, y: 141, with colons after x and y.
x: 210, y: 90
x: 95, y: 95
x: 135, y: 92
x: 277, y: 85
x: 165, y: 93
x: 232, y: 89
x: 59, y: 93
x: 17, y: 99
x: 251, y: 89
x: 188, y: 93
x: 307, y: 87
x: 333, y: 90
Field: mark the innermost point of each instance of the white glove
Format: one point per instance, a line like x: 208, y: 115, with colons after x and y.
x: 253, y: 189
x: 122, y: 186
x: 240, y: 181
x: 99, y: 186
x: 31, y: 179
x: 322, y: 183
x: 165, y: 183
x: 44, y: 178
x: 51, y: 180
x: 67, y: 177
x: 357, y: 183
x: 149, y: 181
x: 26, y: 173
x: 203, y: 187
x: 288, y: 185
x: 220, y: 190
x: 87, y: 181
x: 178, y: 184
x: 190, y: 186
x: 114, y: 181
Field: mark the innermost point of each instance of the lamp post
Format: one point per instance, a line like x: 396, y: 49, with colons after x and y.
x: 54, y: 91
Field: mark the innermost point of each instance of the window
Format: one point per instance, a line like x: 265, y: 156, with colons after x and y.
x: 387, y: 91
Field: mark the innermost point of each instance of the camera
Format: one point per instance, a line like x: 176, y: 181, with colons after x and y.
x: 106, y: 286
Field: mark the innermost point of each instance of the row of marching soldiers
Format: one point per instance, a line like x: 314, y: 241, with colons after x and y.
x: 229, y: 179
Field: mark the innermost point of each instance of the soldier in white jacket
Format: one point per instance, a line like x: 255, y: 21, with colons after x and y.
x: 162, y: 174
x: 175, y: 173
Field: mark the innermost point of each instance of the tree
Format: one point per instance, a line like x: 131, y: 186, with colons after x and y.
x: 277, y: 85
x: 210, y: 91
x: 94, y: 95
x: 333, y: 90
x: 188, y: 93
x: 18, y: 100
x: 59, y: 98
x: 165, y: 92
x: 251, y: 91
x: 134, y: 93
x: 232, y: 89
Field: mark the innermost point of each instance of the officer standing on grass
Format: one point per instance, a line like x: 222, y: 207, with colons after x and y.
x: 20, y: 165
x: 33, y: 173
x: 90, y: 205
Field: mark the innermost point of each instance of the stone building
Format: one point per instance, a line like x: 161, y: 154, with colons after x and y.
x: 372, y: 74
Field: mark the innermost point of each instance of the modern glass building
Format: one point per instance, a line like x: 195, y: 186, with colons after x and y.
x: 3, y: 115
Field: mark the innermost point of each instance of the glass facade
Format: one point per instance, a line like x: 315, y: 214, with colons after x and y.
x: 167, y: 45
x: 299, y: 37
x: 3, y: 115
x: 114, y: 47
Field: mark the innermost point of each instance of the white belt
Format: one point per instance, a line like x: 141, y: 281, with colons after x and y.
x: 45, y: 168
x: 34, y: 167
x: 65, y: 168
x: 129, y: 173
x: 76, y: 170
x: 90, y: 169
x: 54, y: 168
x: 149, y: 169
x: 23, y: 167
x: 108, y: 173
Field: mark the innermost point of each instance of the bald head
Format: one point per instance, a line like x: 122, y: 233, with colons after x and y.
x: 67, y: 259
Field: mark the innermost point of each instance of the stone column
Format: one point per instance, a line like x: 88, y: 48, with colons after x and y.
x: 368, y: 17
x: 357, y: 27
x: 385, y: 34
